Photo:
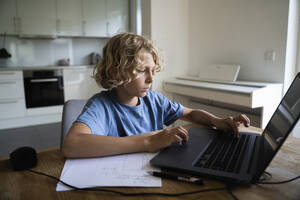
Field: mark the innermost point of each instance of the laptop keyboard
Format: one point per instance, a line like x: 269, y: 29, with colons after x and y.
x: 225, y: 153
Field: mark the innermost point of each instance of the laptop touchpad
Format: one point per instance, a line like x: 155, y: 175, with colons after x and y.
x: 185, y: 154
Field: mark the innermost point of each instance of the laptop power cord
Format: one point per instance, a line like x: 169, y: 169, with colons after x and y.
x: 262, y: 181
x: 228, y: 187
x: 269, y: 177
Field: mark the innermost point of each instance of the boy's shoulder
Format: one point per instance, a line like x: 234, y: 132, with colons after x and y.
x: 101, y: 97
x: 152, y: 93
x: 103, y: 93
x: 155, y: 95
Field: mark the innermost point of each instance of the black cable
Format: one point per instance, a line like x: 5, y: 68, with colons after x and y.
x: 132, y: 194
x: 279, y: 182
x: 229, y: 189
x: 269, y: 177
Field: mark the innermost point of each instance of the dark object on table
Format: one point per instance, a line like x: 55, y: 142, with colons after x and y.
x: 64, y: 62
x: 95, y: 58
x: 3, y: 52
x: 23, y: 158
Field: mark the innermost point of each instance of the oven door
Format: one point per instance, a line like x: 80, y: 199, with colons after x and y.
x: 45, y: 91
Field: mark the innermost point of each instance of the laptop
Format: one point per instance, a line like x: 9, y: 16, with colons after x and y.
x: 236, y: 160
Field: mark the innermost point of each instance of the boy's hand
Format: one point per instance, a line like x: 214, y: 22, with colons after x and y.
x: 231, y: 124
x: 166, y: 137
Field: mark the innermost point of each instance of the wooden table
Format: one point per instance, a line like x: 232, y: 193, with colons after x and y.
x: 26, y: 185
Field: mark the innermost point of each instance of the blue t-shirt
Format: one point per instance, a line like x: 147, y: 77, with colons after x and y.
x: 105, y: 115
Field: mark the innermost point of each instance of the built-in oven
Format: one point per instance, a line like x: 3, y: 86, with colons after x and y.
x: 43, y: 88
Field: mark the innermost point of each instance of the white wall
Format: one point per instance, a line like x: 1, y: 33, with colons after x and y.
x: 146, y: 18
x: 193, y: 34
x: 292, y: 50
x: 169, y: 31
x: 239, y: 32
x: 292, y: 65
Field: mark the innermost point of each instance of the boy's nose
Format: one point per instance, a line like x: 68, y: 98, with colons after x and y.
x: 149, y: 78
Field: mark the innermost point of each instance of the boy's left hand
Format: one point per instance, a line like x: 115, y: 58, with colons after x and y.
x: 230, y: 124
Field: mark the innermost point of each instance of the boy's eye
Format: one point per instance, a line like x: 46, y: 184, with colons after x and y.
x: 141, y: 70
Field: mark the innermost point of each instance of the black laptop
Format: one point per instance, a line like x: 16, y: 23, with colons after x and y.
x: 237, y: 160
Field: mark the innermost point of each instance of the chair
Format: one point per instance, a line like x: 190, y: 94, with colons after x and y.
x: 71, y: 111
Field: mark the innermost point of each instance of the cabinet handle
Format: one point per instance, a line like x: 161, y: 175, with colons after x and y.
x: 15, y: 24
x: 19, y: 25
x: 58, y: 25
x: 107, y: 27
x: 83, y: 27
x: 8, y: 101
x: 44, y: 80
x: 8, y: 73
x: 8, y: 82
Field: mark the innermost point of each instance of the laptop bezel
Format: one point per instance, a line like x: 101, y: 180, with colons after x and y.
x: 260, y: 172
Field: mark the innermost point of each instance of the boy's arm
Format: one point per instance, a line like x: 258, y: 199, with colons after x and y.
x: 80, y: 142
x: 205, y: 118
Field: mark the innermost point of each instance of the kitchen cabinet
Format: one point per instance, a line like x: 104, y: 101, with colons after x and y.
x: 37, y: 17
x: 8, y: 17
x: 104, y: 18
x: 69, y: 17
x: 117, y: 16
x: 94, y: 18
x: 78, y: 84
x: 91, y: 18
x: 12, y: 100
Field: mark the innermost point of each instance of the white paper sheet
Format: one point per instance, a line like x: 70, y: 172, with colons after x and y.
x: 129, y: 170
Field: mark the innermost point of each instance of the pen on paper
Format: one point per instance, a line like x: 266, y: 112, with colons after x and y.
x: 175, y: 177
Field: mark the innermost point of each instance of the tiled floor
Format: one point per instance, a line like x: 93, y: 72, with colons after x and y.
x: 39, y: 137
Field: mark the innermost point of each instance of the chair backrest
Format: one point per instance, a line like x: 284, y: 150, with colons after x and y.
x: 71, y: 111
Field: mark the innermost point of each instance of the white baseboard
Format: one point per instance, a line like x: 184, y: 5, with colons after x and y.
x: 30, y: 121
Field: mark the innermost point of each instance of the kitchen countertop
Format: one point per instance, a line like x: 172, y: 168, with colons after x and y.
x: 45, y: 67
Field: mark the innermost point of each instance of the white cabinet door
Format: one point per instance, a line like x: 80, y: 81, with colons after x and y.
x: 117, y: 16
x: 37, y: 17
x: 8, y: 17
x: 12, y: 108
x: 12, y: 100
x: 69, y: 18
x: 78, y: 84
x: 11, y: 89
x: 94, y: 18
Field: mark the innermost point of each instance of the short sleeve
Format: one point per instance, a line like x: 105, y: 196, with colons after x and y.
x: 171, y: 110
x: 90, y: 116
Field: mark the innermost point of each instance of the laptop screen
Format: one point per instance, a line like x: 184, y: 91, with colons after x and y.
x: 280, y: 125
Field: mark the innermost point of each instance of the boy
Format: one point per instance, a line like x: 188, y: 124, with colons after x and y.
x: 128, y: 117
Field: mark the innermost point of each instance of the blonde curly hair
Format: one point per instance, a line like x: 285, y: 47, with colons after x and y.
x: 121, y: 58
